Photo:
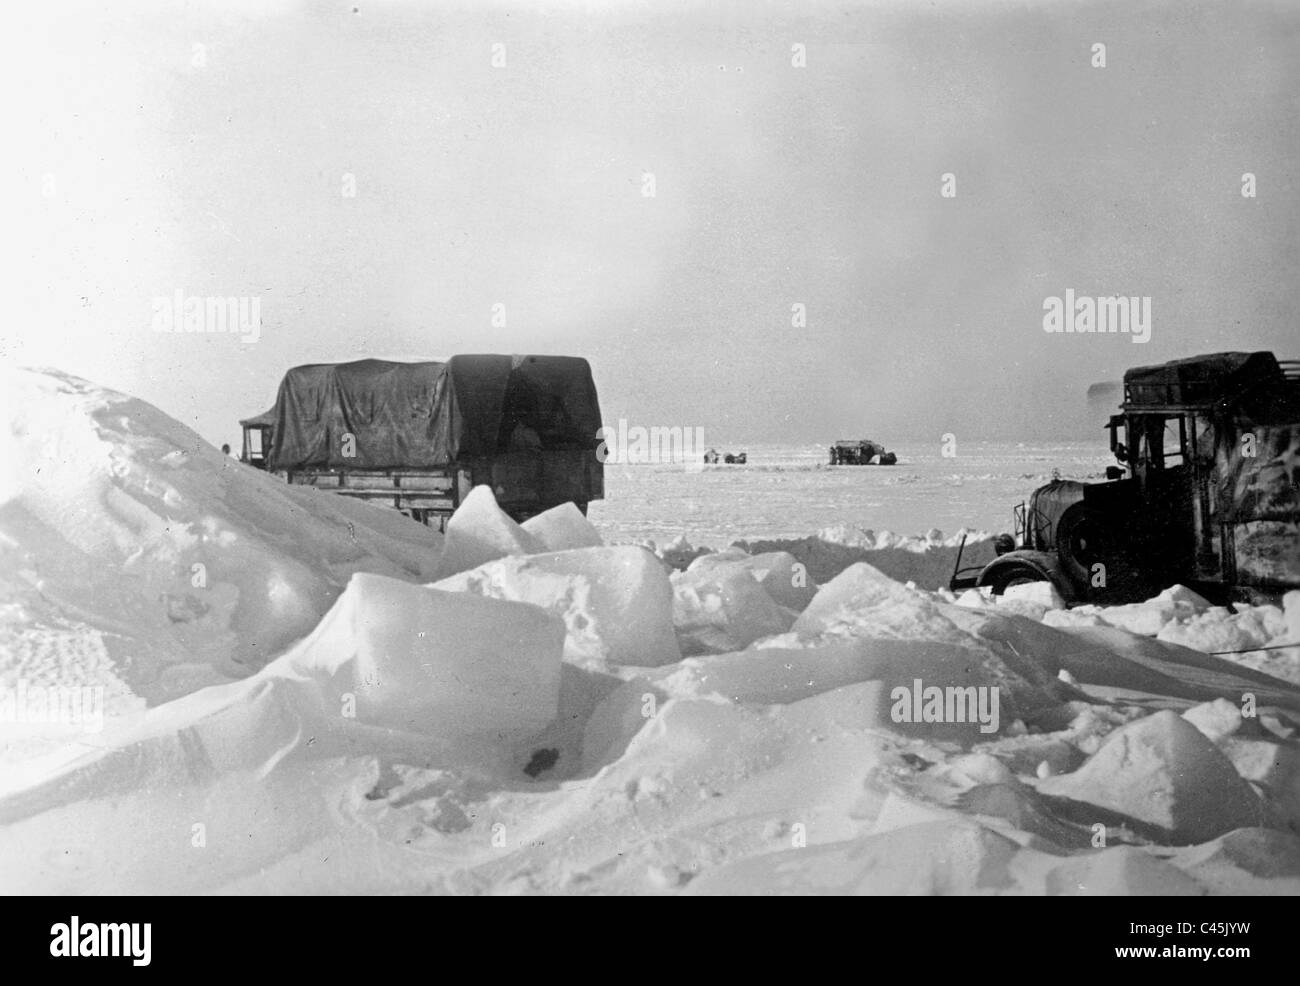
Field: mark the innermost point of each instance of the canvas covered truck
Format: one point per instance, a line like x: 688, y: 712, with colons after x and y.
x: 1206, y: 492
x: 420, y: 436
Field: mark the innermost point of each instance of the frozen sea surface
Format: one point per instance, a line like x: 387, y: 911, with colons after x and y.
x: 790, y: 491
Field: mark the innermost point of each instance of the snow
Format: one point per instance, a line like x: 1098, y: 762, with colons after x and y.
x: 722, y: 609
x: 939, y: 857
x: 1180, y: 616
x: 1040, y: 594
x: 454, y: 664
x: 928, y: 561
x: 351, y: 703
x: 780, y: 574
x: 1216, y: 720
x: 1163, y: 772
x: 561, y: 528
x: 1291, y: 610
x: 480, y: 531
x: 1177, y: 604
x: 862, y: 600
x: 787, y: 492
x: 1272, y: 768
x: 137, y: 558
x: 616, y: 602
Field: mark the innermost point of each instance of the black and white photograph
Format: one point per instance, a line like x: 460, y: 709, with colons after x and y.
x: 651, y: 448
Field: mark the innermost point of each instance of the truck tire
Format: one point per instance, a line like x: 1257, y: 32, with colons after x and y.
x: 1084, y: 538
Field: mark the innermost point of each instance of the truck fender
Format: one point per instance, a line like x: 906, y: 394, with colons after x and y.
x: 1034, y: 566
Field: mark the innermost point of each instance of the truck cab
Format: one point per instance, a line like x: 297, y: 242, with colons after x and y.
x: 1206, y: 492
x: 257, y: 439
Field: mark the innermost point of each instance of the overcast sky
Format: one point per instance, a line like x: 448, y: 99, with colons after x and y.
x: 157, y: 148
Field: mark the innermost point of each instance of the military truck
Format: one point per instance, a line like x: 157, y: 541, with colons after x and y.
x: 861, y: 452
x: 1206, y: 492
x: 419, y: 436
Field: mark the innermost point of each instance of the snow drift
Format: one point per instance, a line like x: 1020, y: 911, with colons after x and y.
x: 616, y: 603
x: 136, y: 556
x: 533, y: 711
x: 928, y: 561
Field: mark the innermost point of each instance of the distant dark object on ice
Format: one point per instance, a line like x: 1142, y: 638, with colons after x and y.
x: 542, y: 761
x: 712, y: 458
x: 861, y: 453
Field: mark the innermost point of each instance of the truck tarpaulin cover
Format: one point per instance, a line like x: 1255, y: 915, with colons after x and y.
x: 1202, y: 379
x: 426, y: 415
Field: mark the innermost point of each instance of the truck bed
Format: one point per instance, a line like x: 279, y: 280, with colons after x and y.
x: 523, y: 482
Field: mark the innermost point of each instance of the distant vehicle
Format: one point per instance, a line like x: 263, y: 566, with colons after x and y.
x: 862, y: 452
x: 422, y: 435
x: 1211, y: 498
x: 712, y: 458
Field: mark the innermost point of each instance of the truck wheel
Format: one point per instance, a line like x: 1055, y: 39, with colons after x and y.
x: 1084, y: 539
